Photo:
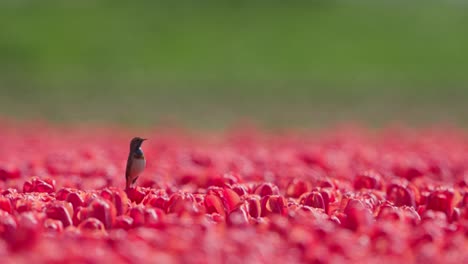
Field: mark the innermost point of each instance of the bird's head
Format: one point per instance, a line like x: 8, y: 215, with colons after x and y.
x: 136, y: 142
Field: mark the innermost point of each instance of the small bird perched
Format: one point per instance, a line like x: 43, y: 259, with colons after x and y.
x: 136, y: 162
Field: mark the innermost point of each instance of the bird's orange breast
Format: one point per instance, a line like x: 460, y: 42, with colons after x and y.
x: 138, y: 156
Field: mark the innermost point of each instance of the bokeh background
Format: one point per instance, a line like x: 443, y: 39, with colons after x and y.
x: 209, y: 64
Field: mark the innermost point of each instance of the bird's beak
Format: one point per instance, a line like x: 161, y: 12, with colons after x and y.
x: 144, y: 139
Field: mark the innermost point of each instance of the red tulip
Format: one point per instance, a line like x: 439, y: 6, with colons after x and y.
x: 338, y: 196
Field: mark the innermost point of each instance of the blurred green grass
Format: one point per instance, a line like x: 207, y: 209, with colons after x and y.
x: 211, y: 62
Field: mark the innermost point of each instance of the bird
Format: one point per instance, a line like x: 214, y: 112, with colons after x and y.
x: 136, y: 162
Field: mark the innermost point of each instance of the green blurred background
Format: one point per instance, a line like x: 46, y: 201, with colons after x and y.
x: 211, y: 63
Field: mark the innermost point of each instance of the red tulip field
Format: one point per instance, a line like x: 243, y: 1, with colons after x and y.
x: 343, y: 195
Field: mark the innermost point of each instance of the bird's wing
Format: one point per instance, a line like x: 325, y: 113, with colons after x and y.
x: 129, y: 164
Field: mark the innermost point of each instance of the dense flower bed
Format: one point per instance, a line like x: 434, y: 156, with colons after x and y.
x: 239, y: 197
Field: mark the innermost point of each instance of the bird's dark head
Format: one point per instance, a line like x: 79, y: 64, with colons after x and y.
x: 136, y: 142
